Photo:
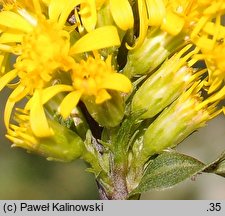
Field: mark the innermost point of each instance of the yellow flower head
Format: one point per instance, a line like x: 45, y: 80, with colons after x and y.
x: 207, y: 33
x: 92, y: 77
x: 38, y: 33
x: 42, y: 46
x: 173, y: 16
x: 43, y: 51
x: 169, y: 15
x: 201, y: 21
x: 216, y: 68
x: 64, y: 146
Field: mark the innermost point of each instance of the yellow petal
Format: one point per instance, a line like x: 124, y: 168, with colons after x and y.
x: 7, y: 78
x: 49, y: 93
x: 69, y: 102
x: 28, y: 16
x: 100, y: 38
x: 210, y: 28
x: 122, y: 14
x: 204, y: 43
x: 89, y: 20
x: 143, y: 24
x: 38, y: 120
x: 4, y: 64
x: 10, y: 37
x: 172, y: 23
x: 6, y: 48
x: 37, y: 6
x: 19, y: 93
x: 14, y: 21
x: 218, y: 96
x: 215, y: 85
x: 47, y: 2
x: 117, y: 81
x: 55, y: 8
x: 102, y: 96
x: 199, y: 25
x: 223, y: 110
x: 7, y: 113
x: 99, y: 3
x: 156, y: 12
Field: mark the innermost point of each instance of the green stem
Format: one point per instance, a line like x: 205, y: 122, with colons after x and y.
x: 119, y: 174
x: 119, y: 162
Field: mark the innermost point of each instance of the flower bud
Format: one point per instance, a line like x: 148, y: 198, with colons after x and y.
x: 188, y: 113
x: 157, y: 46
x: 64, y: 145
x: 165, y: 85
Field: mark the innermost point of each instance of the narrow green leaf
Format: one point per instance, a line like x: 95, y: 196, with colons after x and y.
x: 167, y: 170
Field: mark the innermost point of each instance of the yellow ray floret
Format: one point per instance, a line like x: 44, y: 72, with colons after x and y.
x: 38, y: 121
x: 102, y: 37
x: 122, y: 13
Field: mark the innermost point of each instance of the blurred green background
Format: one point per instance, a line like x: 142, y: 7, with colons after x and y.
x: 27, y: 176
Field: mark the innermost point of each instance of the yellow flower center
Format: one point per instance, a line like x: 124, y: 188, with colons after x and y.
x: 44, y: 50
x: 88, y: 76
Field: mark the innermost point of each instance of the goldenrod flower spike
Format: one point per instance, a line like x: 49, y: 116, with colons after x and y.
x: 122, y: 14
